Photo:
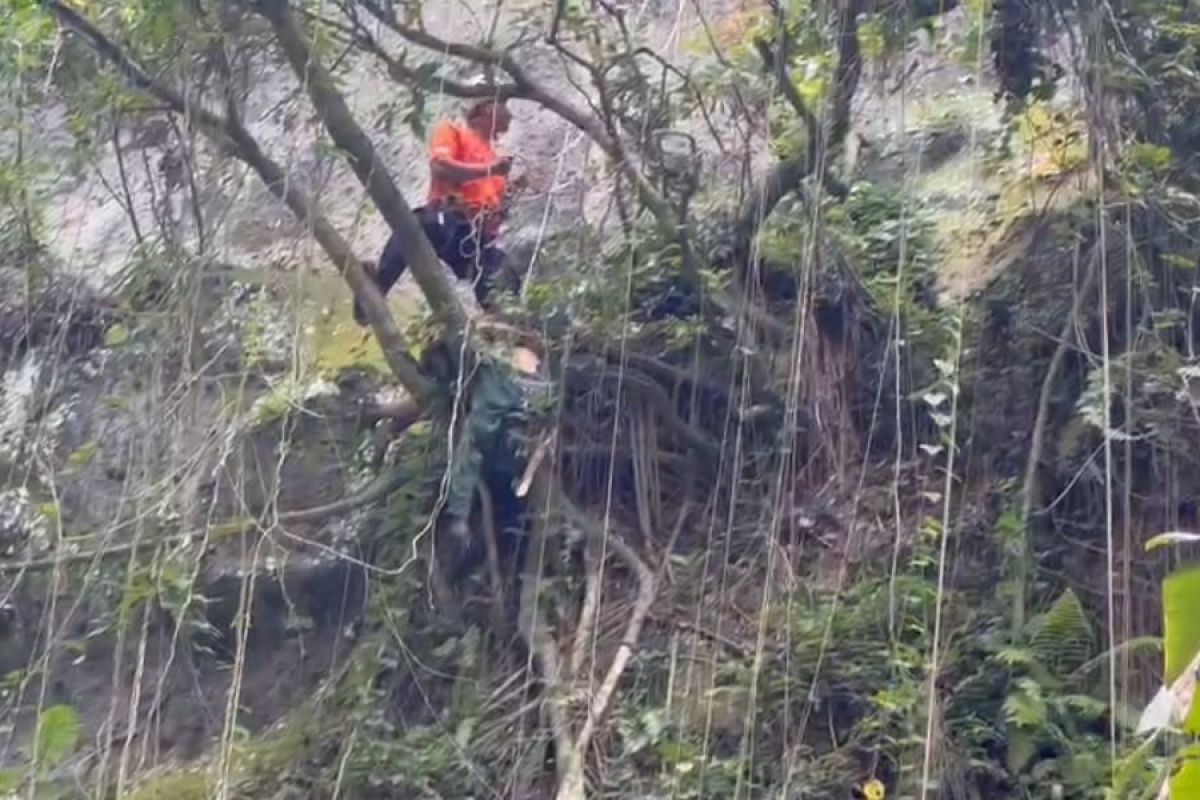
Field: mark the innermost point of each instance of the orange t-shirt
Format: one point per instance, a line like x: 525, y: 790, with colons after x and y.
x: 458, y: 142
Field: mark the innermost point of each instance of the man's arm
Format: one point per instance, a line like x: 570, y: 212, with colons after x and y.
x: 444, y: 162
x: 457, y: 172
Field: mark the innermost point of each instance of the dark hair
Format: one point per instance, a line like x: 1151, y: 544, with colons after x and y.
x: 480, y: 106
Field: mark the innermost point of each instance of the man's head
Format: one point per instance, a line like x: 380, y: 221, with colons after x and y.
x: 489, y: 118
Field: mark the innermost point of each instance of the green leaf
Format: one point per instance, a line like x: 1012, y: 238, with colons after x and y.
x: 944, y: 367
x: 1181, y: 629
x: 1133, y: 769
x: 1025, y: 707
x: 1172, y: 537
x: 57, y: 736
x: 116, y: 336
x: 934, y: 399
x: 1062, y: 637
x: 10, y: 779
x: 1020, y: 749
x: 1084, y: 707
x: 1181, y: 625
x: 1176, y: 261
x: 83, y: 456
x: 1016, y: 657
x: 1185, y: 783
x: 1149, y: 157
x: 1157, y: 714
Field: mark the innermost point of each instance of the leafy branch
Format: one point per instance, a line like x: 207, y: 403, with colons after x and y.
x: 230, y: 135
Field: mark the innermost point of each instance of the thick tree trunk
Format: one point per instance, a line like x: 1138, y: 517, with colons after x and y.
x: 371, y: 172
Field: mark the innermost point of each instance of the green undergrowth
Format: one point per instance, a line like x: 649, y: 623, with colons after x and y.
x: 256, y: 763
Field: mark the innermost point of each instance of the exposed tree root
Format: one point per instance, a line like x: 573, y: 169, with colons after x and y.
x: 1030, y: 488
x: 571, y: 748
x: 655, y: 395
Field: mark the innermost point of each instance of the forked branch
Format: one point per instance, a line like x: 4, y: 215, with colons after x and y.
x: 571, y: 748
x: 825, y: 135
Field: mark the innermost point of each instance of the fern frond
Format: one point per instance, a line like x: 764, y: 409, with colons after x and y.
x: 1062, y: 639
x: 1139, y: 645
x: 1025, y: 707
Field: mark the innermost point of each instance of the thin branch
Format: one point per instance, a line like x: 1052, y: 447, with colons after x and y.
x: 480, y: 55
x: 379, y: 489
x: 560, y: 8
x: 400, y: 72
x: 647, y: 587
x: 220, y: 60
x: 691, y: 87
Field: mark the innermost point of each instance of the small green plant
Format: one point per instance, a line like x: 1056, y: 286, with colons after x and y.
x: 56, y: 736
x: 1054, y: 727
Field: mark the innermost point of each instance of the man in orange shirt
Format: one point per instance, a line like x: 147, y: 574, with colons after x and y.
x: 465, y: 205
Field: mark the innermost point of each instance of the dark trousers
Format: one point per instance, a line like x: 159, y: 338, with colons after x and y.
x: 469, y: 253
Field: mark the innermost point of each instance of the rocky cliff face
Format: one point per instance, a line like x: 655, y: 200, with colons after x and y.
x: 127, y: 471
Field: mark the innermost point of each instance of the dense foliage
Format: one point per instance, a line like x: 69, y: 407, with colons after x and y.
x: 836, y: 473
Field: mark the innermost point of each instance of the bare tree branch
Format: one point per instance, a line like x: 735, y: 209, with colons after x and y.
x: 647, y: 588
x: 585, y: 624
x: 400, y: 72
x: 535, y: 630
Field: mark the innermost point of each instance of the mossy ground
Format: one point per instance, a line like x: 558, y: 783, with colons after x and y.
x: 333, y: 342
